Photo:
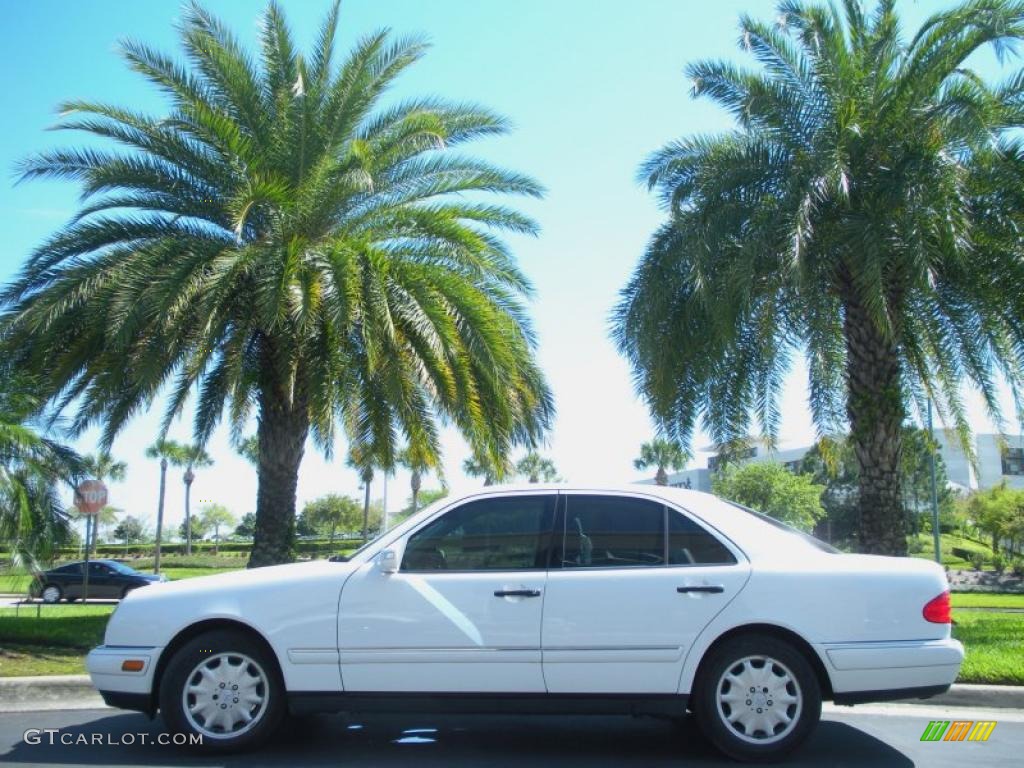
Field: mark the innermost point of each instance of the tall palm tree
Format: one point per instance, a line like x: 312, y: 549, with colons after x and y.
x: 165, y: 450
x: 865, y: 211
x: 279, y: 241
x: 102, y: 466
x: 663, y: 454
x: 536, y: 468
x: 191, y: 457
x: 33, y: 468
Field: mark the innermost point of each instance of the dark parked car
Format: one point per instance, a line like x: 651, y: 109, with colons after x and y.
x: 107, y: 579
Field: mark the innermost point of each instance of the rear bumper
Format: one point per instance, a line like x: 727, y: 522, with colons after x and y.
x: 886, y: 671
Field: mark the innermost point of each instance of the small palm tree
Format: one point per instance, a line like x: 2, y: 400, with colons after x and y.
x: 363, y: 459
x: 418, y: 460
x: 165, y: 450
x: 102, y: 466
x: 278, y: 240
x: 663, y: 454
x: 491, y: 471
x: 864, y: 212
x: 537, y: 468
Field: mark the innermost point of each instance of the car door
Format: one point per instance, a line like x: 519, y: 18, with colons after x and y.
x: 632, y: 584
x: 463, y: 611
x: 102, y: 581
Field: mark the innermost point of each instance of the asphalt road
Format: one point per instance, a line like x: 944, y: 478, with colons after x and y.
x: 878, y: 736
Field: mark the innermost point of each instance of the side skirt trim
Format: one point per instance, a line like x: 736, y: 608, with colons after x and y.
x: 304, y: 702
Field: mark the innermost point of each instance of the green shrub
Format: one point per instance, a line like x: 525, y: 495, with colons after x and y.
x: 915, y: 546
x: 998, y: 563
x: 978, y: 560
x: 1018, y: 566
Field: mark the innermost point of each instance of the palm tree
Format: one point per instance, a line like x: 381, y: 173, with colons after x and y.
x: 278, y: 241
x: 165, y: 450
x: 102, y: 466
x: 491, y: 471
x: 418, y: 460
x: 362, y: 459
x: 191, y: 457
x: 865, y: 212
x: 663, y: 454
x: 33, y: 467
x: 537, y: 468
x: 249, y: 449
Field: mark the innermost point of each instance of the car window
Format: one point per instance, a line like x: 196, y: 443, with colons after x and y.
x: 123, y: 569
x: 98, y: 569
x: 70, y: 569
x: 690, y: 544
x: 498, y: 534
x: 612, y: 531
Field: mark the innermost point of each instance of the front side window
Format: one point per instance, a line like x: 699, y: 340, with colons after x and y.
x: 499, y: 534
x: 612, y: 531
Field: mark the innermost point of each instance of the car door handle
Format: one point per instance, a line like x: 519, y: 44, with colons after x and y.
x: 517, y: 593
x: 710, y: 588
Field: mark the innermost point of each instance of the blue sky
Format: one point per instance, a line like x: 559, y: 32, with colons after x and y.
x: 592, y: 87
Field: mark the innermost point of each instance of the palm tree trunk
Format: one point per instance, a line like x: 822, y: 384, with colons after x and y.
x: 661, y: 478
x: 415, y: 483
x: 282, y: 434
x: 875, y: 411
x: 160, y: 515
x: 188, y: 514
x: 366, y: 509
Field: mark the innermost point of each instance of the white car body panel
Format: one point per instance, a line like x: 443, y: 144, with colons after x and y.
x: 349, y: 627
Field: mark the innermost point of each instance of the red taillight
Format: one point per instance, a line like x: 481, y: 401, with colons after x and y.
x: 939, y: 610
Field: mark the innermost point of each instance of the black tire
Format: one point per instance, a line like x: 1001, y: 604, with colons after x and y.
x: 57, y: 599
x: 230, y: 646
x: 741, y: 656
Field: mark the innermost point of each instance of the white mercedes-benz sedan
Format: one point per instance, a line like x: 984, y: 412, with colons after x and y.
x: 634, y: 600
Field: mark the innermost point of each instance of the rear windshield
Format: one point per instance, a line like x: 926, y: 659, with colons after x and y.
x: 778, y: 524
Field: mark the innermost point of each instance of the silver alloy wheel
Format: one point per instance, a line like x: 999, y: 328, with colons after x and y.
x: 51, y: 594
x: 225, y: 695
x: 759, y: 699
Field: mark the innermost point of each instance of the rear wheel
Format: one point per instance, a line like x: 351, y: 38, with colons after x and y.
x: 225, y: 687
x: 51, y: 593
x: 757, y: 698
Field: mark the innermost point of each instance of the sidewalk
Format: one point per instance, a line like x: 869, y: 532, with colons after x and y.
x: 28, y: 694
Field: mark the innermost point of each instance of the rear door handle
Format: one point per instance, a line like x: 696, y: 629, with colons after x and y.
x: 517, y: 593
x: 711, y: 588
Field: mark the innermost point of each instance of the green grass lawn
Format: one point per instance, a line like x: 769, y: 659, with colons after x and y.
x: 23, y: 660
x: 995, y: 647
x: 987, y: 600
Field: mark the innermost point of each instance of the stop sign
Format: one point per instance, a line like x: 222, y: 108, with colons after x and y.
x: 90, y: 497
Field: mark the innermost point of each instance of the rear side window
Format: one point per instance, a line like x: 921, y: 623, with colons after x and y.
x: 612, y: 531
x: 689, y: 544
x: 624, y: 532
x: 501, y: 534
x: 71, y: 569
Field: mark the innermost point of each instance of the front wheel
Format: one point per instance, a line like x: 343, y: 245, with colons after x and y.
x: 757, y: 698
x: 224, y: 687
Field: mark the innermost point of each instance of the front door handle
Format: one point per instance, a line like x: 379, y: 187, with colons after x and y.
x: 711, y: 588
x: 517, y: 593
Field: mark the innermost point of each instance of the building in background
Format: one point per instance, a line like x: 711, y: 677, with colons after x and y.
x: 997, y: 462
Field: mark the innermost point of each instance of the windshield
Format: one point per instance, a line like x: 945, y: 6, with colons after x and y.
x: 806, y: 537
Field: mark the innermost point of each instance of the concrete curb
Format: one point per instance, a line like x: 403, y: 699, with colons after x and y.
x: 29, y: 694
x: 24, y: 694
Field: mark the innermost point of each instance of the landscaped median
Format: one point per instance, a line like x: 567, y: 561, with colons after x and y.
x: 53, y: 639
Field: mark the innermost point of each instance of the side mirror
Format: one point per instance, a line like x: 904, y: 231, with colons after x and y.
x: 387, y: 561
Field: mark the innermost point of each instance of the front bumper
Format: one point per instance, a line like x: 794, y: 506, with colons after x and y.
x: 104, y: 665
x: 879, y: 671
